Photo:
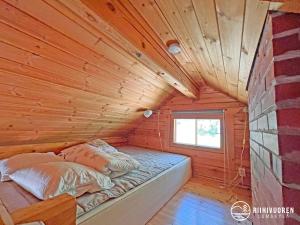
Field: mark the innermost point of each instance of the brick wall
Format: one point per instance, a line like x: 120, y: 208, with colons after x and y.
x: 274, y: 118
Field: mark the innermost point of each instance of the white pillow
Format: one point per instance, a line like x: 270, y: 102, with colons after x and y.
x: 86, y: 155
x: 14, y: 163
x: 102, y: 146
x: 47, y: 180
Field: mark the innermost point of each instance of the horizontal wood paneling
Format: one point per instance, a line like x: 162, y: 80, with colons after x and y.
x: 67, y: 76
x: 63, y: 80
x: 206, y: 163
x: 7, y: 151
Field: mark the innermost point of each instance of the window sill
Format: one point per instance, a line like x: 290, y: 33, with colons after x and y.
x: 197, y: 148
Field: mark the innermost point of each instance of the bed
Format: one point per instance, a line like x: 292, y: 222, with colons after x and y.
x: 136, y: 197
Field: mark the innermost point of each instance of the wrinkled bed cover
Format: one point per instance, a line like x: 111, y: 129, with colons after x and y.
x: 152, y: 164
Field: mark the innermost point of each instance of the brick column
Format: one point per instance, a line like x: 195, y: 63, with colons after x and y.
x: 274, y: 117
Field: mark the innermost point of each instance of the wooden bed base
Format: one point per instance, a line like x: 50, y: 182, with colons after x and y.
x: 60, y: 210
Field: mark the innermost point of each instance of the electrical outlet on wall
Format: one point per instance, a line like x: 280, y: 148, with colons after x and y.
x: 242, y: 172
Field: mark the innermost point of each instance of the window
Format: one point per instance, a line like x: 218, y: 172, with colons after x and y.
x: 198, y: 130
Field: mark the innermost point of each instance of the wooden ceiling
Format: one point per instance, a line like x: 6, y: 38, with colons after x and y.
x: 218, y: 37
x: 63, y: 79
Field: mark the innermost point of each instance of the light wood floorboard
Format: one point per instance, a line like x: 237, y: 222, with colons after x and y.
x: 201, y: 203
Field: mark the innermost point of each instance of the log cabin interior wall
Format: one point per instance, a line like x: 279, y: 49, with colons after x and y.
x: 207, y: 164
x: 68, y: 73
x: 62, y: 80
x: 75, y: 70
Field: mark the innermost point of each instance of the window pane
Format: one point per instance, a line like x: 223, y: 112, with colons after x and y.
x: 209, y: 133
x: 185, y: 131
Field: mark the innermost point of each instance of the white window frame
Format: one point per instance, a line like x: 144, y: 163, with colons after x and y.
x: 197, y: 116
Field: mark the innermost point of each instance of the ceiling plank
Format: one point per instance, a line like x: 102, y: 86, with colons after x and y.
x: 180, y: 15
x: 154, y: 16
x: 230, y: 16
x: 207, y: 19
x: 132, y: 26
x: 250, y: 40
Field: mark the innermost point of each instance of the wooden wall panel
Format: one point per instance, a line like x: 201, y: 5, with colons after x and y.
x: 67, y: 76
x: 7, y: 151
x: 62, y: 80
x: 206, y: 164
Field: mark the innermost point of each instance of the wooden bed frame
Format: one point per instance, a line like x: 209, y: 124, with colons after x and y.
x: 60, y: 210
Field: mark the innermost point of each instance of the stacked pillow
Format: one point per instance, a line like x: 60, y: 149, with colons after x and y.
x: 102, y: 146
x: 77, y: 170
x: 102, y: 157
x: 86, y: 154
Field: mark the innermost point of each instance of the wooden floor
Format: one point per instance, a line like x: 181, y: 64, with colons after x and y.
x: 199, y: 203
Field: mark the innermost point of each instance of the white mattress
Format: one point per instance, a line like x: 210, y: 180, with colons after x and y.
x: 139, y: 205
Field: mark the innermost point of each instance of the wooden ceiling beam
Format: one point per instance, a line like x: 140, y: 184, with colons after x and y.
x: 292, y: 6
x: 150, y: 50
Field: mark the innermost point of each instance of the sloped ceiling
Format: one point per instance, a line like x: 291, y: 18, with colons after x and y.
x: 62, y: 79
x: 76, y: 69
x: 218, y: 37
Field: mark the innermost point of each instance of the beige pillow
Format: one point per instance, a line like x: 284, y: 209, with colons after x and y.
x: 86, y: 155
x: 93, y: 157
x: 120, y: 162
x: 102, y: 146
